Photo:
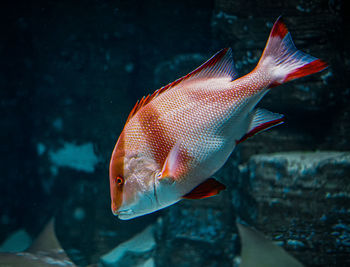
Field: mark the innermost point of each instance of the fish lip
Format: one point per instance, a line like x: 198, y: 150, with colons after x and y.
x: 124, y: 212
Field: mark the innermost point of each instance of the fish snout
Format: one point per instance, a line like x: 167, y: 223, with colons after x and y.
x: 115, y: 209
x: 124, y: 214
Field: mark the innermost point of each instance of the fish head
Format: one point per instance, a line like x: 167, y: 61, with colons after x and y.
x: 132, y: 183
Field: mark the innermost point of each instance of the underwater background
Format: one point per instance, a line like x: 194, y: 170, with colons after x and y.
x: 71, y: 72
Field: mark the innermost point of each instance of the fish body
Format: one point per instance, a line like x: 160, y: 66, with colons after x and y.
x: 175, y: 139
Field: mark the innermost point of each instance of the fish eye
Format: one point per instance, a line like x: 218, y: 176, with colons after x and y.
x: 119, y: 180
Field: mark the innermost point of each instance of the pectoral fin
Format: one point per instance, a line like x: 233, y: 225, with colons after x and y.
x: 208, y: 188
x: 171, y: 164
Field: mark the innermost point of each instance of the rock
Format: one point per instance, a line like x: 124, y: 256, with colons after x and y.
x: 303, y: 201
x: 197, y: 233
x: 17, y: 241
x: 67, y: 157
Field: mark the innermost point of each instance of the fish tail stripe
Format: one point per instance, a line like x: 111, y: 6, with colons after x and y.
x: 283, y: 61
x: 310, y: 68
x: 279, y: 29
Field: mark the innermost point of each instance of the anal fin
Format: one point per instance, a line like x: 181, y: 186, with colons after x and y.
x: 261, y: 120
x: 208, y: 188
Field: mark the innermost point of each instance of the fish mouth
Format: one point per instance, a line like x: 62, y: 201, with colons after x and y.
x: 124, y: 214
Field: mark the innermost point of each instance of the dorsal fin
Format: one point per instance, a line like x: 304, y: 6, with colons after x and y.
x: 218, y: 66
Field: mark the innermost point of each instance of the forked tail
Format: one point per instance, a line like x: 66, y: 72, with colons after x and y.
x: 283, y: 61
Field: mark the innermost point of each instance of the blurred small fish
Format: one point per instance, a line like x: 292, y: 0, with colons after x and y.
x: 44, y: 252
x: 257, y: 251
x: 175, y: 139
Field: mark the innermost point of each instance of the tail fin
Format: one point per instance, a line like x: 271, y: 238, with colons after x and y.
x: 283, y: 60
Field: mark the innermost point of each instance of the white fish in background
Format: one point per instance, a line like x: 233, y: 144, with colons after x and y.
x: 257, y: 251
x: 45, y: 251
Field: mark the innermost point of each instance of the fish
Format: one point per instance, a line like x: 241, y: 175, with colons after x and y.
x: 258, y: 251
x: 45, y: 251
x: 175, y: 139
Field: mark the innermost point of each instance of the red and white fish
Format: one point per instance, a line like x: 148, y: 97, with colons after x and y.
x: 175, y: 139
